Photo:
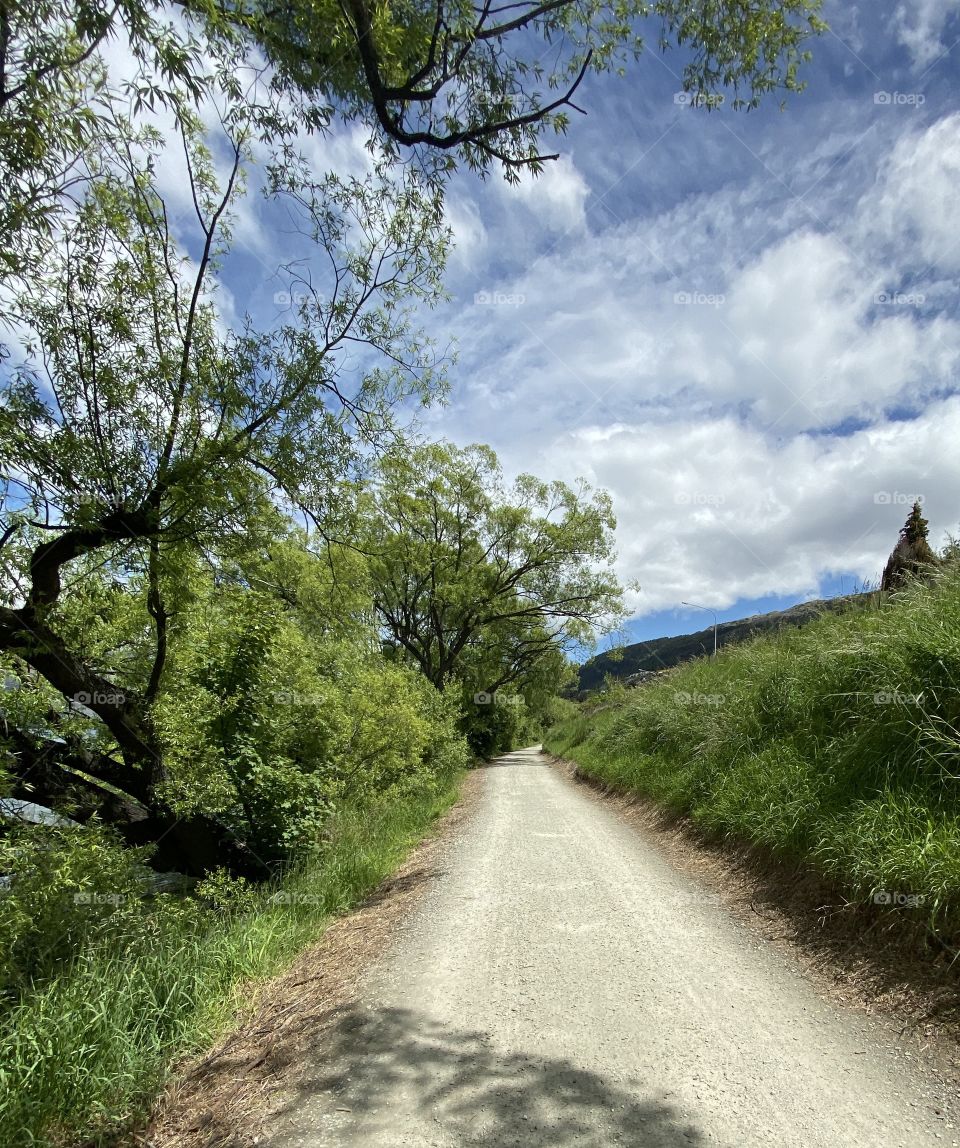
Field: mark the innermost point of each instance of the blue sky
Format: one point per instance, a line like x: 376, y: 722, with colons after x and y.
x: 743, y: 325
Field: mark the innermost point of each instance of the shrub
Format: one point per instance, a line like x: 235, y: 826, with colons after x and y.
x: 70, y: 888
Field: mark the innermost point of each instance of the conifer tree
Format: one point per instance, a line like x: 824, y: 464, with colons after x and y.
x: 912, y: 554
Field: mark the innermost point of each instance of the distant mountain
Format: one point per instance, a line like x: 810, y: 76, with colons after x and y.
x: 662, y: 653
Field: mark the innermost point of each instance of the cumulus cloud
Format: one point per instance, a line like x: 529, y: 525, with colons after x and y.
x: 716, y: 511
x: 818, y: 337
x: 687, y: 308
x: 761, y: 387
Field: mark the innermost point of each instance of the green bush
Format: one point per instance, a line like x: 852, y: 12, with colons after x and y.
x: 71, y: 888
x: 272, y: 732
x: 327, y: 760
x: 83, y: 1055
x: 495, y: 723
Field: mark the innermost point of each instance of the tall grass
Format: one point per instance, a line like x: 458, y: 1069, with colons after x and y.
x: 86, y: 1053
x: 837, y: 745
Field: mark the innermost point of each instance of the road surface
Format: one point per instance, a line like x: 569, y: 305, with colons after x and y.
x: 560, y: 984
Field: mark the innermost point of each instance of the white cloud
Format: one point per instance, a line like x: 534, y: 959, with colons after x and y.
x: 786, y: 323
x: 915, y: 200
x: 469, y: 232
x: 557, y: 196
x: 919, y: 26
x: 705, y: 419
x: 844, y: 20
x: 343, y: 150
x: 811, y: 345
x: 714, y: 511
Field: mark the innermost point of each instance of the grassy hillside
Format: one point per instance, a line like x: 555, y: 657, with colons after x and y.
x: 663, y: 653
x: 837, y: 744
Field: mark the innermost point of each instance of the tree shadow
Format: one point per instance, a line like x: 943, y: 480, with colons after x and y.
x: 514, y: 758
x: 391, y: 886
x: 383, y: 1074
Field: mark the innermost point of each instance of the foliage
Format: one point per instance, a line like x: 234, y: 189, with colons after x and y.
x: 142, y: 437
x: 486, y: 586
x: 273, y: 730
x: 452, y: 81
x: 72, y: 887
x: 84, y: 1055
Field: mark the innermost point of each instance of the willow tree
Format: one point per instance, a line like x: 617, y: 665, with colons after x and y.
x: 484, y: 81
x: 454, y: 80
x: 140, y: 424
x: 482, y: 581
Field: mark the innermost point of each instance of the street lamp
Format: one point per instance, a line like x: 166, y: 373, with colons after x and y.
x: 709, y: 611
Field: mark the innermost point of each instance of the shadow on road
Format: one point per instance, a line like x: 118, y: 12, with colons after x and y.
x: 405, y: 1078
x: 516, y: 757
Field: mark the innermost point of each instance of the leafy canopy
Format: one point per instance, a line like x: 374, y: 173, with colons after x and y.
x: 480, y: 580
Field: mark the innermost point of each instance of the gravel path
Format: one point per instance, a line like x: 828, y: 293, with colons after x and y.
x: 561, y: 984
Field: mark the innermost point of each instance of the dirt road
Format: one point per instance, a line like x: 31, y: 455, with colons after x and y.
x: 560, y: 984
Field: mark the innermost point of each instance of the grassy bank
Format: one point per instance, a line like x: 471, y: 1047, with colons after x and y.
x: 837, y: 745
x: 86, y: 1053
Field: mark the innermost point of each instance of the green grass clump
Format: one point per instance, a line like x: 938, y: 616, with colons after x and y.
x: 85, y: 1051
x: 837, y: 744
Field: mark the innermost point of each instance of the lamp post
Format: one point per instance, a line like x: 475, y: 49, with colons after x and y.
x: 709, y: 611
